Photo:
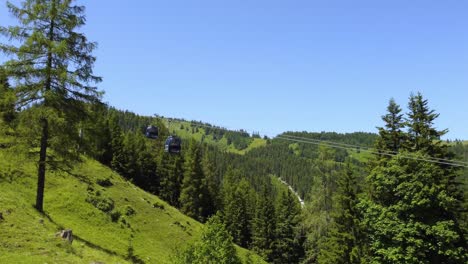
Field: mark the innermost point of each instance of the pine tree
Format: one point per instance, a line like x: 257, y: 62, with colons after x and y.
x: 52, y: 67
x: 423, y: 135
x: 119, y: 157
x: 412, y: 212
x: 211, y: 181
x: 392, y: 135
x: 193, y: 190
x: 264, y: 224
x: 236, y: 211
x: 287, y: 246
x: 318, y: 211
x: 344, y: 242
x: 171, y: 172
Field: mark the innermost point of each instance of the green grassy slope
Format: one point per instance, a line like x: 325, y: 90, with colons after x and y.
x: 151, y: 234
x: 198, y: 133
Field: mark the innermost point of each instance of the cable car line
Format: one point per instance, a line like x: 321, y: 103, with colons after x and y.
x: 173, y: 145
x: 362, y: 148
x: 376, y: 152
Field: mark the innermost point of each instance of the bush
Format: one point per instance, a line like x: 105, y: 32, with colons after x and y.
x: 99, y: 201
x: 115, y: 215
x: 158, y: 205
x: 129, y: 211
x: 105, y: 182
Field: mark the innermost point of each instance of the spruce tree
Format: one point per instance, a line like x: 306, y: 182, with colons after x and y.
x: 193, y: 190
x: 212, y: 184
x: 264, y: 224
x: 423, y: 135
x: 344, y: 242
x: 412, y: 212
x: 318, y: 211
x: 392, y: 135
x: 236, y: 203
x: 119, y: 157
x: 287, y: 246
x: 170, y: 170
x: 52, y: 66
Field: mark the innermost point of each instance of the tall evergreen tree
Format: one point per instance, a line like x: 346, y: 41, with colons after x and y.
x: 212, y: 183
x: 52, y: 67
x: 345, y: 241
x: 236, y: 202
x: 264, y: 224
x: 171, y: 172
x: 193, y: 190
x: 392, y: 135
x: 412, y: 212
x: 318, y: 211
x: 287, y: 244
x: 423, y: 135
x: 119, y: 158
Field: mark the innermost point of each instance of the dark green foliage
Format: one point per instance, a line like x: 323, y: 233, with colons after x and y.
x: 264, y: 224
x: 52, y: 67
x: 412, y: 213
x: 100, y: 201
x: 171, y: 174
x: 115, y: 215
x: 423, y: 136
x: 237, y: 207
x: 193, y: 189
x: 129, y: 211
x: 7, y: 99
x: 119, y: 159
x: 318, y: 211
x: 95, y: 134
x: 240, y: 139
x: 344, y: 242
x: 212, y: 185
x: 287, y: 245
x: 214, y: 246
x: 392, y: 136
x: 104, y: 182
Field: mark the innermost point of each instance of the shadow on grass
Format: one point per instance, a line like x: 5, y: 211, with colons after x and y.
x: 86, y: 242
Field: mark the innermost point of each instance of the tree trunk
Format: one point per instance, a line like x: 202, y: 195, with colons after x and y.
x: 41, y: 171
x: 42, y: 166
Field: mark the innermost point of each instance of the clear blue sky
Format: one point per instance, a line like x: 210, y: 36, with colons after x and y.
x: 272, y: 66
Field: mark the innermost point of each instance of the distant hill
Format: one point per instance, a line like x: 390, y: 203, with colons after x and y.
x: 238, y: 142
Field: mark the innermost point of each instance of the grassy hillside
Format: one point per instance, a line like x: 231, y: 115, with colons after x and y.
x: 186, y: 130
x: 130, y: 224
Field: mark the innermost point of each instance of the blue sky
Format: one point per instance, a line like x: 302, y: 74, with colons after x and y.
x: 273, y: 66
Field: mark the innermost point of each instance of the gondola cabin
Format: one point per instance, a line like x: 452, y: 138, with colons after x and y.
x: 173, y: 144
x: 152, y: 132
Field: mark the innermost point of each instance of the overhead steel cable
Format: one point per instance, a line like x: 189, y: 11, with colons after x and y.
x: 346, y: 146
x: 383, y: 152
x: 376, y: 152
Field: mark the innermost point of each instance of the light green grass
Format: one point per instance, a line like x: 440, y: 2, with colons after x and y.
x: 221, y: 144
x: 154, y: 232
x: 361, y: 156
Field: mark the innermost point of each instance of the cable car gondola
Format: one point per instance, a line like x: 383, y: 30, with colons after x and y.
x: 173, y: 144
x: 151, y: 132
